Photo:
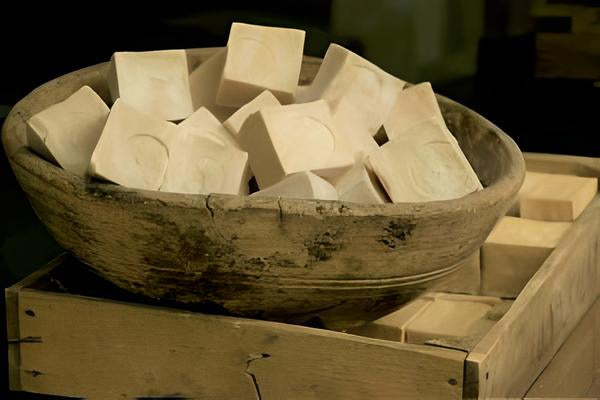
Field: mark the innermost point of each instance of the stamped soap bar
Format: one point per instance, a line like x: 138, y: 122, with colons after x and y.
x: 300, y: 185
x: 281, y: 140
x: 359, y: 93
x: 204, y: 159
x: 424, y: 164
x: 207, y: 124
x: 234, y: 123
x: 260, y: 58
x: 204, y: 85
x: 133, y: 149
x: 412, y: 106
x: 67, y: 132
x: 154, y: 81
x: 360, y: 185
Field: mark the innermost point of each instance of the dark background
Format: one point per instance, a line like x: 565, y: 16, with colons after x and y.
x: 479, y: 53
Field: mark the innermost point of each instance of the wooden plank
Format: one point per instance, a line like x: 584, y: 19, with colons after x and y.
x: 12, y: 321
x: 571, y: 371
x: 104, y: 349
x: 587, y: 20
x: 597, y: 353
x: 594, y: 391
x: 581, y: 18
x: 568, y: 55
x: 562, y: 164
x: 511, y: 356
x: 542, y: 8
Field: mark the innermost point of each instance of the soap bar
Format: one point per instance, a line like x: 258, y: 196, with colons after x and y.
x: 234, y: 123
x: 207, y: 124
x: 205, y: 159
x: 67, y: 132
x: 359, y: 144
x: 452, y: 317
x: 260, y: 58
x: 360, y: 185
x: 557, y: 197
x: 359, y: 93
x: 154, y: 81
x: 281, y: 140
x: 133, y: 149
x: 437, y: 316
x: 393, y: 326
x: 530, y: 181
x: 424, y: 164
x: 412, y: 106
x: 467, y: 280
x: 204, y: 85
x: 300, y: 185
x: 513, y: 252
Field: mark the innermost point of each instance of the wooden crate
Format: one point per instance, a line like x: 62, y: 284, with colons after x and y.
x: 72, y: 334
x: 567, y: 39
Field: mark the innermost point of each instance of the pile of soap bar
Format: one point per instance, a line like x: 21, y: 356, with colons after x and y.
x: 241, y: 114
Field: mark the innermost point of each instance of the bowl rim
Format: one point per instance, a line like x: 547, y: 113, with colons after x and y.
x: 18, y: 153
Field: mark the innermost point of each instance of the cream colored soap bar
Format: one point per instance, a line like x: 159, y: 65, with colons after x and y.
x: 205, y: 159
x: 300, y: 185
x: 205, y: 123
x: 260, y: 58
x: 208, y: 125
x: 360, y: 145
x: 453, y: 317
x: 282, y: 140
x: 67, y: 132
x: 204, y: 85
x: 393, y: 326
x: 412, y: 106
x: 234, y: 123
x: 530, y: 181
x: 359, y: 93
x: 133, y: 149
x: 424, y: 164
x: 557, y: 197
x: 437, y: 316
x: 154, y: 81
x: 513, y: 252
x: 359, y: 185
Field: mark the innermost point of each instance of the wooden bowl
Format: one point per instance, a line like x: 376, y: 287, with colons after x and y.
x: 281, y: 259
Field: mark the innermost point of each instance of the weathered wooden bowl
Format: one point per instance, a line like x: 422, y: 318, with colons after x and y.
x: 280, y: 259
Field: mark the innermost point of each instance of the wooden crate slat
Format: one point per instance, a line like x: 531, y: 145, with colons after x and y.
x: 104, y: 349
x: 568, y: 165
x: 511, y: 356
x: 13, y: 335
x: 571, y: 372
x: 568, y: 55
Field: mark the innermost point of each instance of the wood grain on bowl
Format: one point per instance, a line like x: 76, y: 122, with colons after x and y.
x: 272, y: 258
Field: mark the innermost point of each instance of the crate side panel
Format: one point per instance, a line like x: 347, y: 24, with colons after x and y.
x: 512, y: 355
x: 104, y: 349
